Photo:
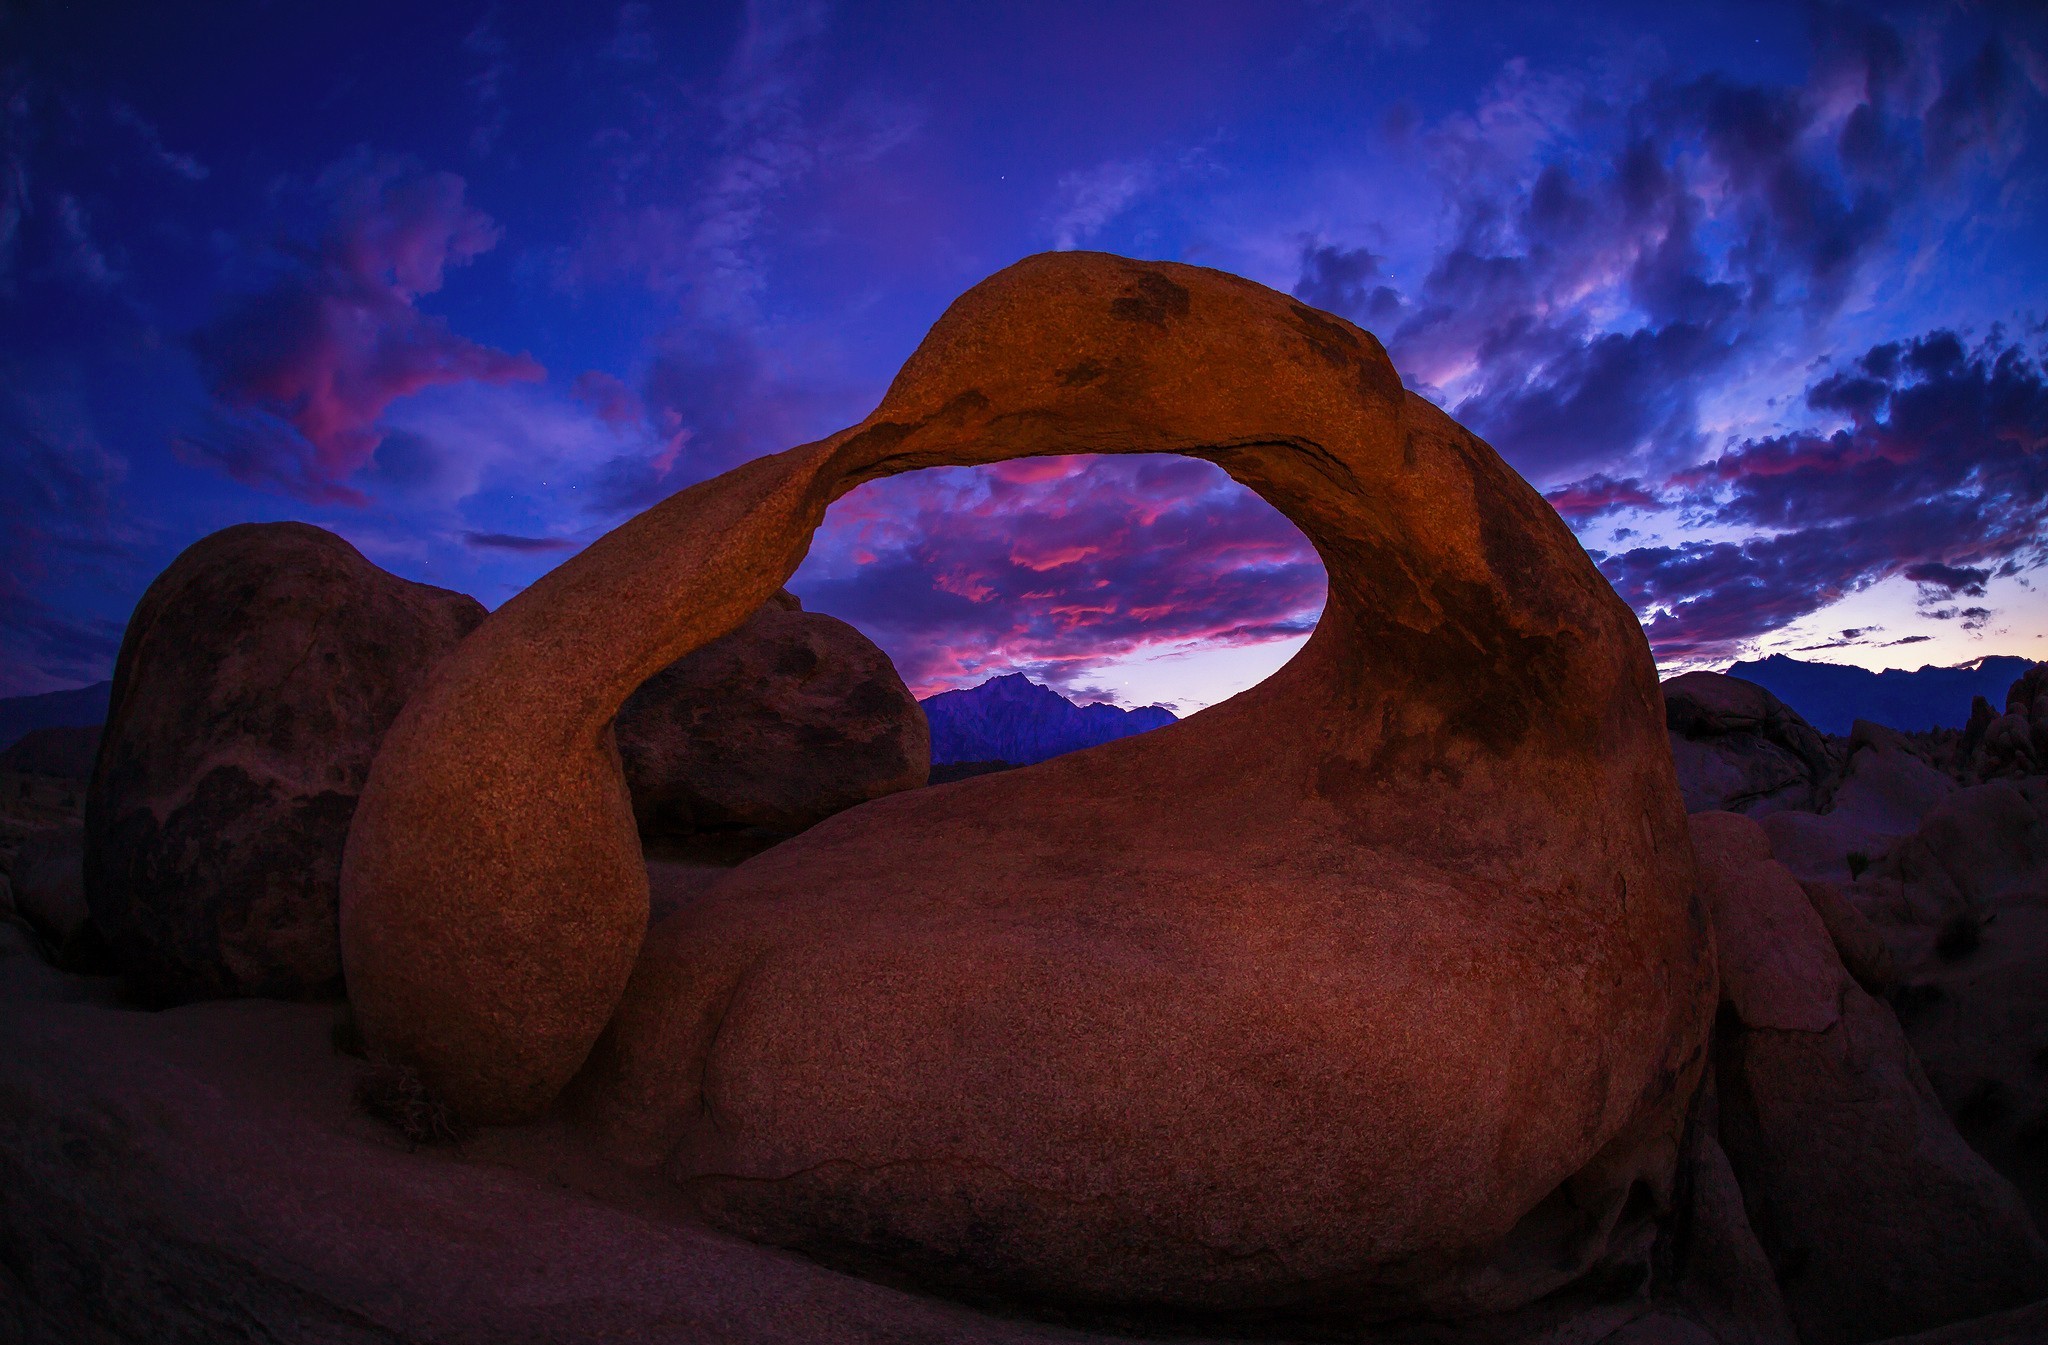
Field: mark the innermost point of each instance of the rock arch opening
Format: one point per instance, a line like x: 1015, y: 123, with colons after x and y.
x: 1361, y: 964
x: 1124, y: 581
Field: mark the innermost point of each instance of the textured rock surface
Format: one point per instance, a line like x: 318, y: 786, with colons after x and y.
x: 1014, y: 719
x: 1964, y: 905
x: 1375, y: 991
x: 1739, y: 748
x: 2016, y: 742
x: 255, y: 679
x: 199, y: 1175
x: 772, y: 728
x: 1877, y: 1216
x: 1864, y: 953
x: 1885, y: 789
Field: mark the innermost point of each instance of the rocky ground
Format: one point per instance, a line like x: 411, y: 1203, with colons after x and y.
x: 1940, y: 841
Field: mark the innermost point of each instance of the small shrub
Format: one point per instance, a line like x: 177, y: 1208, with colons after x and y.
x: 1858, y: 862
x: 399, y: 1097
x: 1960, y: 936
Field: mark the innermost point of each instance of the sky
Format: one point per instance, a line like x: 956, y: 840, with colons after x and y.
x: 1755, y: 294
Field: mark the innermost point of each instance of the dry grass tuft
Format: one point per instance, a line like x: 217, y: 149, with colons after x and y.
x: 399, y: 1097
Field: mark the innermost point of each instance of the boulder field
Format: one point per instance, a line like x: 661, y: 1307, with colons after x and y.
x: 1936, y: 844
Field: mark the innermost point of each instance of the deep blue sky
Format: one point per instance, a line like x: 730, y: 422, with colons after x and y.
x: 1755, y: 292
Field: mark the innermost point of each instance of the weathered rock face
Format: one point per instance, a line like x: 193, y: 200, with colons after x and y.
x: 1377, y: 991
x: 1878, y: 1218
x: 2015, y: 743
x: 1740, y: 749
x: 254, y: 682
x: 1961, y: 904
x: 787, y: 720
x: 1883, y: 793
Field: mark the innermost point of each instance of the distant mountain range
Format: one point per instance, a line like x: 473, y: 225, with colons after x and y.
x: 1016, y: 720
x: 20, y: 715
x: 1831, y: 697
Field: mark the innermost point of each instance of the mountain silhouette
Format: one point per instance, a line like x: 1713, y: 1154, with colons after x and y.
x: 1014, y: 719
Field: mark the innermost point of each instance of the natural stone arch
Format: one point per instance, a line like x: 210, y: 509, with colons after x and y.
x: 1401, y: 986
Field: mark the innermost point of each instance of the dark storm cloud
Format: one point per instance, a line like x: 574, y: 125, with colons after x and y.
x: 1597, y: 495
x: 302, y: 372
x: 505, y: 541
x: 1707, y: 209
x: 1347, y: 281
x: 1941, y: 478
x: 1954, y: 578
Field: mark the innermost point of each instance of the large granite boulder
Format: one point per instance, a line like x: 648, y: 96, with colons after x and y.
x: 1377, y: 992
x: 1879, y: 1219
x: 1740, y: 749
x: 765, y: 731
x: 255, y: 680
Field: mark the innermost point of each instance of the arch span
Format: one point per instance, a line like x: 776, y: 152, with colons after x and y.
x: 1378, y: 986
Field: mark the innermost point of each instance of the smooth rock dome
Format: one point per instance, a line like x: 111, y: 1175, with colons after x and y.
x: 1376, y: 992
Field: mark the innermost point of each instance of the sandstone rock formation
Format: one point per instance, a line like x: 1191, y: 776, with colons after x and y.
x: 255, y: 680
x: 1877, y: 1217
x: 776, y: 726
x: 1376, y: 992
x: 1739, y: 748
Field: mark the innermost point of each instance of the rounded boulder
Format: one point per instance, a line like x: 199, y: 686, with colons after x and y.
x: 791, y: 718
x: 255, y: 681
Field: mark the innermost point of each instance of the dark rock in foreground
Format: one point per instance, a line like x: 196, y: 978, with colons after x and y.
x: 789, y: 719
x: 1016, y: 720
x: 256, y: 678
x: 1879, y: 1219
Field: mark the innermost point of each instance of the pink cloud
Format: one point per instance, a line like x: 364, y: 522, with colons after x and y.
x: 303, y: 372
x: 1059, y: 567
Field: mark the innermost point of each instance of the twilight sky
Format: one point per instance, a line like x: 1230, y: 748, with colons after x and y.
x: 1757, y: 294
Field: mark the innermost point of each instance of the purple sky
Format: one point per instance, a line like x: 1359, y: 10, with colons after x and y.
x: 1756, y: 293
